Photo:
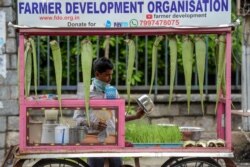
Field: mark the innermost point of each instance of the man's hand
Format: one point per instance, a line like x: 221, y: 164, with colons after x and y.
x: 80, y: 122
x: 139, y: 113
x: 99, y: 125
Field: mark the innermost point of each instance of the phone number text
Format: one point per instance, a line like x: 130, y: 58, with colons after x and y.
x: 159, y: 22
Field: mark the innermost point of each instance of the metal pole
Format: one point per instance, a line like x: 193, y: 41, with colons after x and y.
x: 228, y: 127
x: 245, y: 72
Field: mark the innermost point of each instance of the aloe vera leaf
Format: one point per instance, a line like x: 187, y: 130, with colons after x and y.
x: 221, y: 67
x: 173, y: 62
x: 157, y: 41
x: 33, y: 46
x: 87, y: 55
x: 223, y: 82
x: 57, y: 59
x: 187, y: 58
x: 216, y: 55
x: 200, y: 52
x: 106, y: 46
x: 28, y: 68
x: 130, y: 68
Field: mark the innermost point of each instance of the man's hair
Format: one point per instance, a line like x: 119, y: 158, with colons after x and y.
x: 102, y: 64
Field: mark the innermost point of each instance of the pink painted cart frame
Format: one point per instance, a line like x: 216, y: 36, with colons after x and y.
x: 223, y: 113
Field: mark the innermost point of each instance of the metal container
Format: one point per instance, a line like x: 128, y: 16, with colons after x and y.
x: 191, y: 133
x: 62, y: 134
x: 35, y: 131
x: 82, y: 131
x: 48, y: 133
x: 73, y: 135
x: 146, y: 103
x: 51, y: 115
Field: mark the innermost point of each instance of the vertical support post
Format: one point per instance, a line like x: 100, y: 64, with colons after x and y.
x: 245, y: 72
x: 221, y: 120
x: 137, y: 162
x: 228, y: 120
x: 121, y: 124
x: 22, y: 112
x: 106, y: 162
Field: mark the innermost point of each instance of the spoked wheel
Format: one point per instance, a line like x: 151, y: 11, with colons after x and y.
x: 226, y: 162
x: 196, y: 162
x: 61, y: 163
x: 171, y: 161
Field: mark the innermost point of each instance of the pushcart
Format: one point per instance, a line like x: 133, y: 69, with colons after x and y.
x: 33, y: 154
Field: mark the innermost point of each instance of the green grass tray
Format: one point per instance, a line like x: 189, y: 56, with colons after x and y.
x: 162, y: 145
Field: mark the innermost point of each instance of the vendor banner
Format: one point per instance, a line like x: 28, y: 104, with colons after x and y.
x: 124, y: 13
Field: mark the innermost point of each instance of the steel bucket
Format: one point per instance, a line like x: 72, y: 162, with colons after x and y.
x: 146, y: 104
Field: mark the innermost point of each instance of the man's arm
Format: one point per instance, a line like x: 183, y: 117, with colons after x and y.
x: 79, y: 117
x: 139, y: 114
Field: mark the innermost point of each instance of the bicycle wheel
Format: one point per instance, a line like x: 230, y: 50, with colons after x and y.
x: 58, y: 163
x: 196, y: 162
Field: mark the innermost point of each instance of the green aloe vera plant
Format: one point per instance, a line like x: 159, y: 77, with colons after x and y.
x: 57, y: 59
x: 28, y: 67
x: 173, y: 63
x: 200, y: 54
x: 157, y: 41
x: 30, y: 61
x: 130, y: 68
x: 33, y: 46
x: 220, y: 67
x: 187, y: 58
x: 106, y: 45
x: 87, y: 55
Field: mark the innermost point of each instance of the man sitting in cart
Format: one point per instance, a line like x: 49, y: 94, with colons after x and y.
x: 103, y: 70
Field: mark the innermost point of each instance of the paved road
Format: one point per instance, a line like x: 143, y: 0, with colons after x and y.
x: 152, y: 162
x: 157, y: 162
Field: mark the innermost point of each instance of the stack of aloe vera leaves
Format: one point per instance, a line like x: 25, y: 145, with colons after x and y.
x: 193, y: 55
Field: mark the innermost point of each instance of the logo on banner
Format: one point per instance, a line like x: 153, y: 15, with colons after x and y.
x: 133, y: 23
x: 120, y: 24
x: 149, y: 16
x: 108, y: 24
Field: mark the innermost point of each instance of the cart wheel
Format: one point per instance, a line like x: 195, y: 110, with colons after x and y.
x: 79, y: 161
x: 171, y: 160
x: 60, y: 163
x: 196, y: 162
x: 226, y: 162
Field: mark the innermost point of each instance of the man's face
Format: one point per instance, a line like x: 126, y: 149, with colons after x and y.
x: 104, y: 76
